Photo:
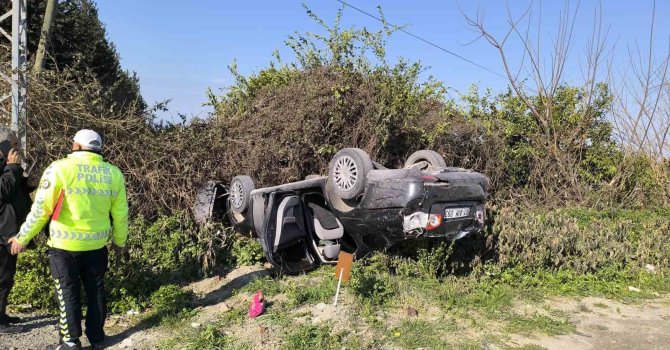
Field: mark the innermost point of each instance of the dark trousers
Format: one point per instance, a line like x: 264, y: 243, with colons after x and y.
x: 70, y: 270
x: 7, y: 272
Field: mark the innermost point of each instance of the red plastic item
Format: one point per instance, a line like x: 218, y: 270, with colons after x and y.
x: 257, y: 305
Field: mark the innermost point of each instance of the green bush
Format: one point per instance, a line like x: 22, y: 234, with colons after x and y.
x: 372, y: 282
x: 245, y: 251
x: 170, y: 299
x: 641, y: 182
x: 166, y: 251
x: 425, y: 259
x: 582, y: 240
x: 33, y: 285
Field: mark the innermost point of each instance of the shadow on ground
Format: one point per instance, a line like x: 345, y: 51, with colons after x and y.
x: 34, y: 322
x: 232, y: 282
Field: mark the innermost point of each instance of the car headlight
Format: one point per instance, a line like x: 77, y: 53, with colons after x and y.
x: 415, y: 221
x: 421, y: 220
x: 481, y: 214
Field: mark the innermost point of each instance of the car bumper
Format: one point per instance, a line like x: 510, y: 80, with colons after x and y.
x: 431, y: 222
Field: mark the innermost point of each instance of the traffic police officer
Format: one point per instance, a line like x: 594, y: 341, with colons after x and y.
x: 84, y: 200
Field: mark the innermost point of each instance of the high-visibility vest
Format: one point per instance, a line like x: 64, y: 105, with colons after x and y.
x: 84, y: 197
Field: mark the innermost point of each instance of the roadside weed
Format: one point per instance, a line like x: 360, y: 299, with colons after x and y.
x: 536, y: 323
x: 305, y: 336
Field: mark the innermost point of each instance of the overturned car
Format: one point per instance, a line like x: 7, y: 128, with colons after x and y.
x: 358, y: 207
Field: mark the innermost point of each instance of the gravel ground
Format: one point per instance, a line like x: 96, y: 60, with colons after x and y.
x: 40, y: 331
x: 123, y: 332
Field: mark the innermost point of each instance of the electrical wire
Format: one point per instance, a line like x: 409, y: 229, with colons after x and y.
x: 420, y: 38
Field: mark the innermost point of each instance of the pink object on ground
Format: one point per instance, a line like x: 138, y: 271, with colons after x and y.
x: 257, y: 305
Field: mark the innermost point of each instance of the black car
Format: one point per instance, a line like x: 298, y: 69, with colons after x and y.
x: 358, y: 207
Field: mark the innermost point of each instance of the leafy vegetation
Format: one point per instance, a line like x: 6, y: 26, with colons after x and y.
x: 312, y: 337
x: 170, y: 299
x: 342, y: 91
x: 583, y: 240
x: 245, y: 251
x: 33, y: 286
x: 211, y: 337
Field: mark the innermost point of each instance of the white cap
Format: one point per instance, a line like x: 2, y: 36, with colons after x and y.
x: 88, y: 139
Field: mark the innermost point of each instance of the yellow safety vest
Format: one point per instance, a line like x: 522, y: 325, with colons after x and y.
x: 90, y: 191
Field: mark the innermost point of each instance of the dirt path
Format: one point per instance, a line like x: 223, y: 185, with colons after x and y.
x: 607, y: 325
x: 124, y: 332
x: 600, y: 324
x: 40, y: 332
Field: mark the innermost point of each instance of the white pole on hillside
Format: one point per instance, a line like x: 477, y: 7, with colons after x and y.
x: 339, y: 284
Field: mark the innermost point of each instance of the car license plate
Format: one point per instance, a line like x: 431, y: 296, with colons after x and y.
x: 454, y: 213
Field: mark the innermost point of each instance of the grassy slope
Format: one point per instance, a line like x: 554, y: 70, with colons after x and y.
x: 461, y: 312
x: 396, y: 302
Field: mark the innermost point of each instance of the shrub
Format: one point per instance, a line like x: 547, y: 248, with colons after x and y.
x: 171, y: 250
x: 151, y: 155
x: 424, y: 259
x: 582, y: 240
x: 342, y: 92
x: 372, y: 282
x: 640, y: 182
x: 170, y: 299
x: 33, y: 285
x: 245, y: 251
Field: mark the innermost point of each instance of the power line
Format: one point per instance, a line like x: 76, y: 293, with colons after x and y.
x: 420, y: 38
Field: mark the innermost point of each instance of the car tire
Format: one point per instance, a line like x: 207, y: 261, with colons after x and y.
x: 240, y: 193
x: 432, y: 158
x: 348, y: 172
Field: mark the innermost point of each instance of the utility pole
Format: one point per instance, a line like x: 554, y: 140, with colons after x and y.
x: 19, y: 63
x: 49, y: 15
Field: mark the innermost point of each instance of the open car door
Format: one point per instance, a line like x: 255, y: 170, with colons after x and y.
x: 285, y: 233
x: 210, y: 202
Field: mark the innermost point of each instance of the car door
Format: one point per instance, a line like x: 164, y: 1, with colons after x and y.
x: 285, y: 235
x: 209, y: 202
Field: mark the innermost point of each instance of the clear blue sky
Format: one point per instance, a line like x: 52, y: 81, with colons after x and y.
x: 180, y: 48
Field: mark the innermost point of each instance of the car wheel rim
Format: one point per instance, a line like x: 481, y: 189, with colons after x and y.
x: 345, y: 173
x: 236, y: 195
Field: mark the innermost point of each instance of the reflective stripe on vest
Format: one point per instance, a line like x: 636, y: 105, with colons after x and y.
x: 79, y: 236
x: 90, y: 192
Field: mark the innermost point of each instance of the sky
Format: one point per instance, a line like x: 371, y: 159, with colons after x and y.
x: 179, y: 48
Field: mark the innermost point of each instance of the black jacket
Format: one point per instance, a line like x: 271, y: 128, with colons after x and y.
x: 15, y: 200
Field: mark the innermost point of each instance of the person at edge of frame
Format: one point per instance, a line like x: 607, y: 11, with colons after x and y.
x: 83, y: 198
